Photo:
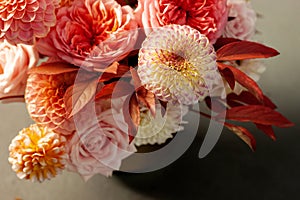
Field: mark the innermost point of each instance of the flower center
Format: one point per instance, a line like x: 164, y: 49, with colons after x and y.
x: 173, y: 61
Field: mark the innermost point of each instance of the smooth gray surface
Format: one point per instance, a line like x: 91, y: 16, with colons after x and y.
x: 229, y: 171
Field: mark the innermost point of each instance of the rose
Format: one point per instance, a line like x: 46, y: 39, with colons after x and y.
x: 209, y: 17
x: 99, y: 144
x: 15, y: 60
x: 242, y: 26
x: 91, y: 34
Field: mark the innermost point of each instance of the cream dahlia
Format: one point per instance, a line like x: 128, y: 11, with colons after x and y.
x: 44, y: 98
x: 177, y: 63
x: 37, y: 153
x: 91, y: 34
x: 24, y: 20
x: 156, y: 130
x: 207, y: 16
x: 100, y: 142
x: 15, y: 60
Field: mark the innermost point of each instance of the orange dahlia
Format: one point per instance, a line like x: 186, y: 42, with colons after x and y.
x: 37, y: 153
x: 24, y: 20
x: 44, y: 97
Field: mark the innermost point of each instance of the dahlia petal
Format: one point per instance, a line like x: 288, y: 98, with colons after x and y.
x: 23, y: 26
x: 28, y: 17
x: 5, y: 16
x: 25, y: 35
x: 19, y: 14
x: 12, y: 35
x: 34, y: 6
x: 5, y: 25
x: 39, y: 16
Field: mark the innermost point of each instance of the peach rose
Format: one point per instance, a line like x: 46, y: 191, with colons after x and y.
x: 91, y: 34
x: 15, y: 60
x: 207, y: 16
x: 101, y: 142
x: 244, y: 18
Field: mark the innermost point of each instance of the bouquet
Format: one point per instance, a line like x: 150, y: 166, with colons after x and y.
x: 100, y: 78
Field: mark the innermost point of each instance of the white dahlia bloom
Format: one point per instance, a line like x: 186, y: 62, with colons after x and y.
x: 178, y: 64
x: 156, y: 130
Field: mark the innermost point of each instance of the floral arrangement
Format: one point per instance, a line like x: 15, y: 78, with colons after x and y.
x: 102, y: 77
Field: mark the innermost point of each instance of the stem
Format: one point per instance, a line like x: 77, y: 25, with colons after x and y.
x: 201, y: 113
x: 11, y: 97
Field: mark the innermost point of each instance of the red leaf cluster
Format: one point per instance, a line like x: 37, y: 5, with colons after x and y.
x: 250, y: 105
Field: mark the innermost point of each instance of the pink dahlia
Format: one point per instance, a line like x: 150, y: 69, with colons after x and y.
x: 207, y: 16
x: 15, y: 60
x: 100, y: 142
x: 44, y: 98
x: 24, y: 20
x: 177, y: 63
x: 242, y: 26
x: 91, y: 34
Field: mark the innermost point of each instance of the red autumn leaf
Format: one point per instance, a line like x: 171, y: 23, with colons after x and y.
x: 115, y: 90
x: 224, y: 41
x: 268, y: 102
x: 244, y: 50
x: 244, y: 80
x: 147, y: 98
x: 257, y: 114
x: 243, y: 134
x: 229, y: 77
x: 136, y: 78
x: 78, y: 95
x: 53, y: 68
x: 115, y: 71
x: 131, y: 112
x: 243, y: 98
x: 268, y: 130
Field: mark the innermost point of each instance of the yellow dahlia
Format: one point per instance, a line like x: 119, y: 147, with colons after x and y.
x: 37, y: 153
x: 24, y: 20
x: 44, y: 98
x: 177, y: 63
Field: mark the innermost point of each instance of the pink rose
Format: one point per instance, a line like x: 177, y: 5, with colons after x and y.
x: 207, y: 16
x: 101, y: 142
x: 91, y: 34
x: 243, y: 25
x: 15, y: 60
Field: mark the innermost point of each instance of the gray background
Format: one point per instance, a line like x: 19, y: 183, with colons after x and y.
x: 231, y: 170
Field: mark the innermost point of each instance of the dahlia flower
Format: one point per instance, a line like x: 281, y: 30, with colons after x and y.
x: 37, y: 153
x: 91, y: 34
x: 156, y: 130
x: 44, y: 98
x: 15, y: 60
x: 177, y: 63
x: 100, y: 142
x: 242, y: 26
x: 24, y: 20
x: 207, y: 16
